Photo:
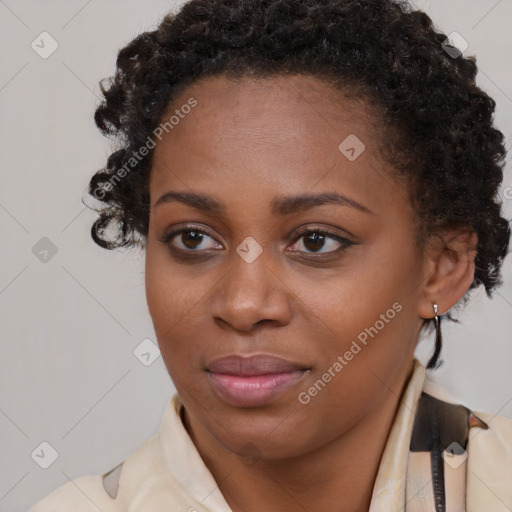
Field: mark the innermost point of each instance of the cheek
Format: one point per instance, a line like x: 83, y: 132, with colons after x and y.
x: 375, y: 282
x: 170, y: 292
x: 369, y: 324
x: 368, y: 316
x: 177, y: 299
x: 172, y: 313
x: 166, y: 295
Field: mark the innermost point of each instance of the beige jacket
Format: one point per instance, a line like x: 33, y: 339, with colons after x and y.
x: 167, y: 474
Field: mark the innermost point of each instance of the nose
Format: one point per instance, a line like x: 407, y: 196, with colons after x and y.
x: 252, y: 294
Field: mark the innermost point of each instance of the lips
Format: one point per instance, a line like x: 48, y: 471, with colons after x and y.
x: 253, y: 381
x: 254, y: 365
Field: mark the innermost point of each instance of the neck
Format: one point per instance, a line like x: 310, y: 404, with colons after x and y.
x: 339, y: 476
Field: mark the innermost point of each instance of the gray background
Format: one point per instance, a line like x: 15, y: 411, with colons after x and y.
x: 70, y: 324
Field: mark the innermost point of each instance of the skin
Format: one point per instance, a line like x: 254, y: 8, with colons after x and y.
x: 244, y: 144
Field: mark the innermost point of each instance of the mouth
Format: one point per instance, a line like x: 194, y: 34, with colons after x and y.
x: 253, y: 381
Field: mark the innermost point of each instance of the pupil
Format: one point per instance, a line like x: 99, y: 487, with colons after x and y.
x: 317, y: 239
x: 193, y: 236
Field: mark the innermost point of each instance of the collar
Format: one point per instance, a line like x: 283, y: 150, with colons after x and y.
x: 184, y: 462
x: 389, y: 488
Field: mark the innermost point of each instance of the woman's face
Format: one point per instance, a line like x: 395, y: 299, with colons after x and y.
x: 288, y: 311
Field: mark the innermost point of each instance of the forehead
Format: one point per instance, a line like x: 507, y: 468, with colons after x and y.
x: 277, y: 109
x: 283, y: 132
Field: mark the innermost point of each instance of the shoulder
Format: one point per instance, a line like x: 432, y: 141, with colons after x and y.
x: 500, y: 428
x: 144, y: 469
x: 493, y: 444
x: 108, y: 492
x: 83, y: 494
x: 453, y: 423
x: 465, y: 449
x: 490, y: 450
x: 490, y: 464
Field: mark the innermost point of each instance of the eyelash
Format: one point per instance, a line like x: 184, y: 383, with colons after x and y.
x: 187, y: 253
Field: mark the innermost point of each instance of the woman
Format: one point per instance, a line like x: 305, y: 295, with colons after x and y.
x: 314, y: 184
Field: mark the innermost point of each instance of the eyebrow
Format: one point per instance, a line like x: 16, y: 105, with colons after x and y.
x: 280, y: 206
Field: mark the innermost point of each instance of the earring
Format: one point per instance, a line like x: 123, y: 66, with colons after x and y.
x: 433, y: 363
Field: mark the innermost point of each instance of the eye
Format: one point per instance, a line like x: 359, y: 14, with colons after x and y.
x: 192, y: 239
x: 316, y: 239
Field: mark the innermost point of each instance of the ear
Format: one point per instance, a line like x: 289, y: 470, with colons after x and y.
x: 449, y: 270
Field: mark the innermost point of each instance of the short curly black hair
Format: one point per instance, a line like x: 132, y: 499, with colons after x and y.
x: 437, y: 123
